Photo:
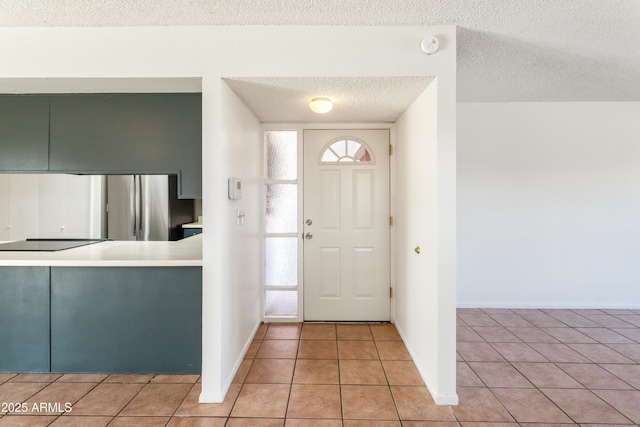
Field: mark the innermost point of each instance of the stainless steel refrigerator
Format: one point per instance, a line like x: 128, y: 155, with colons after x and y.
x: 145, y: 207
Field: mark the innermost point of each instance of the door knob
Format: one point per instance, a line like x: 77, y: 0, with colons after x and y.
x: 308, y: 236
x: 417, y: 249
x: 308, y: 222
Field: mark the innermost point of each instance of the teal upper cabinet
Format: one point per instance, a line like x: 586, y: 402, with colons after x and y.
x: 24, y: 133
x: 129, y: 133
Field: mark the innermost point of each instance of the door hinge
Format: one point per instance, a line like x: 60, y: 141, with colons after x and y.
x: 390, y: 292
x: 390, y: 220
x: 390, y: 149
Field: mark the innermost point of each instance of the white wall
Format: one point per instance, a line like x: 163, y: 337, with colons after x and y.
x: 164, y: 54
x: 549, y: 205
x: 424, y: 296
x: 241, y: 139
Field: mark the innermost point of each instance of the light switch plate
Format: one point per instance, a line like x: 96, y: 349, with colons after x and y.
x: 240, y: 217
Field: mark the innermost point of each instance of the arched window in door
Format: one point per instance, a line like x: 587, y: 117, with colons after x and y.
x: 347, y: 150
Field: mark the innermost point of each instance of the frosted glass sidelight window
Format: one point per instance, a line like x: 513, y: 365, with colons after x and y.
x: 281, y: 261
x: 346, y: 151
x: 281, y: 303
x: 282, y: 155
x: 281, y: 208
x: 281, y: 223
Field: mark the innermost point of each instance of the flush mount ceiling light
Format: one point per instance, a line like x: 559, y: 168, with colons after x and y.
x: 321, y: 105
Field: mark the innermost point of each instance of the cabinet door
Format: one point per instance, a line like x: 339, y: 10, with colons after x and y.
x: 188, y: 232
x: 126, y: 320
x: 4, y: 207
x: 23, y: 206
x: 24, y: 133
x: 69, y: 206
x: 24, y: 319
x: 84, y: 208
x: 129, y: 133
x: 51, y: 206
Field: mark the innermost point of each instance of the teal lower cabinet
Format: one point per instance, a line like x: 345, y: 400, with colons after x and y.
x: 126, y: 319
x: 188, y: 232
x: 24, y: 319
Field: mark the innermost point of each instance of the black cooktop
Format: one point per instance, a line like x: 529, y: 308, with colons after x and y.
x: 47, y: 245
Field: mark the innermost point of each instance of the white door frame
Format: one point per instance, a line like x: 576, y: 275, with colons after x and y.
x: 299, y: 127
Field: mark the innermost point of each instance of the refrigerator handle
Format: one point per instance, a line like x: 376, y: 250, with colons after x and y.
x: 132, y: 209
x: 136, y: 207
x: 141, y: 210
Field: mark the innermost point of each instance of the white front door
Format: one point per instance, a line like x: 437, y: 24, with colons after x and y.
x: 346, y: 225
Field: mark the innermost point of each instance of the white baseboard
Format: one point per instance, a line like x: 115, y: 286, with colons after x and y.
x: 549, y: 306
x: 236, y: 365
x: 439, y: 399
x: 446, y: 399
x: 219, y: 397
x: 211, y: 397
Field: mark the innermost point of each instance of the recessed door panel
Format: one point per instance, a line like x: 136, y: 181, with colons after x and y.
x: 330, y: 273
x: 364, y: 199
x: 330, y: 199
x: 363, y: 273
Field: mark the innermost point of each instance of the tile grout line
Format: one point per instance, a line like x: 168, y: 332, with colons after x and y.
x: 492, y: 393
x: 92, y: 388
x: 393, y: 398
x: 511, y: 363
x: 540, y: 390
x: 286, y: 409
x: 244, y: 380
x: 491, y: 390
x: 181, y: 402
x: 115, y: 417
x: 339, y: 377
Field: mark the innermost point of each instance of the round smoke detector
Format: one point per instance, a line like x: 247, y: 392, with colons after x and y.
x: 430, y: 44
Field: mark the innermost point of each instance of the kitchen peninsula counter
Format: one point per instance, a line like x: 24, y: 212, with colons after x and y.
x: 112, y: 307
x: 182, y: 253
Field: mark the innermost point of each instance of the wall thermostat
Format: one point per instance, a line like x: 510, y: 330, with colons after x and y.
x: 235, y: 188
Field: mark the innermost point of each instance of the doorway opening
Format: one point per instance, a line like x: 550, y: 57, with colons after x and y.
x: 326, y: 246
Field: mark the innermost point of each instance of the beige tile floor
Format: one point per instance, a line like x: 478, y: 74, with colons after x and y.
x: 515, y: 367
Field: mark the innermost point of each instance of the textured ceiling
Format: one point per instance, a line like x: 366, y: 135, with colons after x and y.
x: 508, y: 50
x: 372, y: 99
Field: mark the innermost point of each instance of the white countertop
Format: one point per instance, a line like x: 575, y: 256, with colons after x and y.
x: 192, y: 225
x: 182, y: 253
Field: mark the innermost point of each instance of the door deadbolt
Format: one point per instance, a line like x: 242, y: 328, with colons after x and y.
x: 308, y: 222
x: 308, y: 236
